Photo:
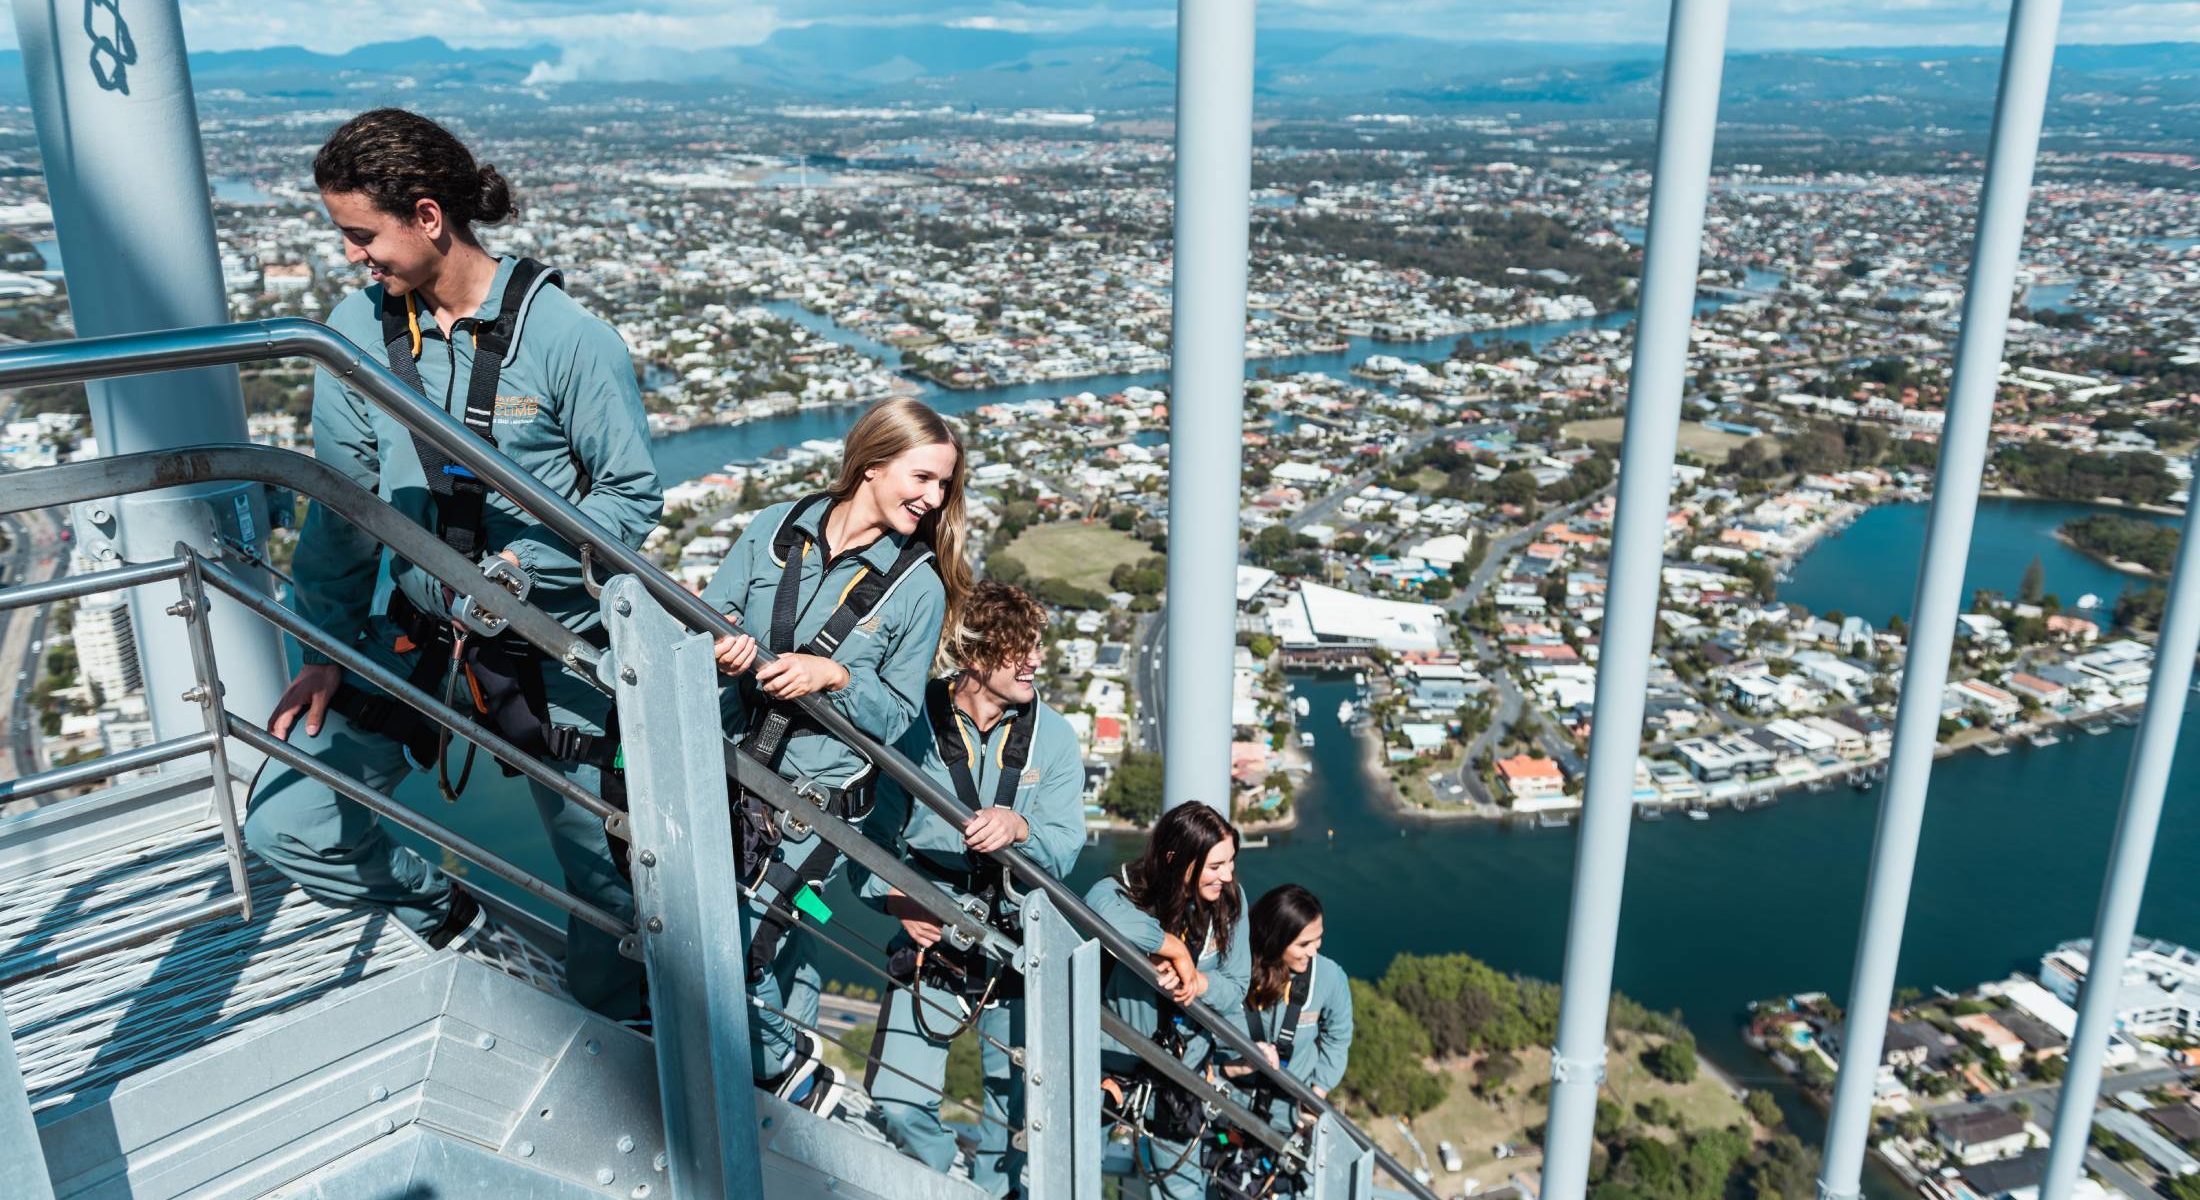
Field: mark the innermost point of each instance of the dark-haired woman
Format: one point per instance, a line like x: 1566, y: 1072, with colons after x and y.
x: 1299, y: 1007
x: 554, y: 390
x: 1179, y: 901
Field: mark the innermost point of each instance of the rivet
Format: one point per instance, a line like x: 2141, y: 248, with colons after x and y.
x: 526, y: 1149
x: 605, y: 1175
x: 656, y: 924
x: 592, y: 1046
x: 1038, y: 1124
x: 378, y: 1093
x: 648, y: 858
x: 766, y: 1123
x: 659, y: 1161
x: 486, y: 1041
x: 640, y: 1190
x: 1038, y: 1079
x: 627, y: 675
x: 626, y: 608
x: 388, y: 1126
x: 626, y: 1143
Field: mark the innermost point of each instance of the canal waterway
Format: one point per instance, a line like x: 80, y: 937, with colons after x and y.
x: 1849, y: 571
x: 700, y: 451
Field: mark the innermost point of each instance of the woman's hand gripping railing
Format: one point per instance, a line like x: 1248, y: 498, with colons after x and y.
x: 287, y: 337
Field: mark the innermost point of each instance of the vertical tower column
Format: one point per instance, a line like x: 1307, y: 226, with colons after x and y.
x: 2017, y: 113
x: 118, y: 136
x: 1688, y: 115
x: 1214, y: 177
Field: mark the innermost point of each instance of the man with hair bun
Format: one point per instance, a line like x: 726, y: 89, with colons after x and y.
x: 494, y: 341
x: 988, y: 738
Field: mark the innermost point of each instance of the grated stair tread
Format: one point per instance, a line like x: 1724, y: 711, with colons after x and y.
x: 79, y: 1030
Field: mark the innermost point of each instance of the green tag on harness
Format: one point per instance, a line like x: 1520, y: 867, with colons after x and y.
x: 810, y: 904
x: 618, y: 758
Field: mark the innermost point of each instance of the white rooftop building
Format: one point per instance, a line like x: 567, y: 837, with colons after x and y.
x: 2161, y: 992
x: 1317, y: 615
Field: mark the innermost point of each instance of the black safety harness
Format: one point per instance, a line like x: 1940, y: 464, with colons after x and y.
x: 1155, y: 1106
x: 761, y: 830
x: 970, y: 973
x: 503, y: 677
x: 1238, y: 1167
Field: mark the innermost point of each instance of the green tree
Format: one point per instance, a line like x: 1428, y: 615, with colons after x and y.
x: 1388, y: 1071
x: 1516, y: 486
x: 1763, y: 1109
x: 1134, y: 790
x: 2034, y: 585
x: 1673, y: 1062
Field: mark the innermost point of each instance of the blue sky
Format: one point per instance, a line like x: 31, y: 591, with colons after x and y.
x: 696, y: 24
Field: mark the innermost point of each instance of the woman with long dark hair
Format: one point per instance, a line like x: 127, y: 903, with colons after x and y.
x: 1299, y: 1007
x: 850, y: 588
x: 495, y: 341
x: 1179, y: 901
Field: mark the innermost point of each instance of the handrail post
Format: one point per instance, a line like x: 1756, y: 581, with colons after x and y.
x: 2018, y: 110
x: 2131, y: 853
x: 1214, y: 179
x: 1061, y: 1069
x: 1341, y: 1168
x: 1695, y: 50
x: 197, y: 620
x: 685, y: 894
x: 22, y: 1156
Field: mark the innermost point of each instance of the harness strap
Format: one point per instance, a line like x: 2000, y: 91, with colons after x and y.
x: 460, y: 496
x: 768, y: 736
x: 784, y: 880
x: 1287, y: 1033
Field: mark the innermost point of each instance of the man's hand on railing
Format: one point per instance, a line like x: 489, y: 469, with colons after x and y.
x: 309, y: 693
x: 995, y: 828
x: 918, y: 922
x: 793, y: 676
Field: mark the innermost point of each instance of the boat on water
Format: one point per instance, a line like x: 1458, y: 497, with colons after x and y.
x: 1997, y: 749
x: 1302, y: 706
x: 1344, y: 713
x: 2043, y: 739
x: 1359, y: 679
x: 2124, y: 717
x: 1697, y: 814
x: 2089, y: 600
x: 1307, y: 740
x: 1650, y: 812
x: 1553, y: 820
x: 1818, y: 787
x: 2095, y: 730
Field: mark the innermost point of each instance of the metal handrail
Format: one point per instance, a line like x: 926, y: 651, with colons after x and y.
x: 285, y: 337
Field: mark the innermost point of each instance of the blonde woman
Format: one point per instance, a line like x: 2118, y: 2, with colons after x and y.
x: 850, y: 588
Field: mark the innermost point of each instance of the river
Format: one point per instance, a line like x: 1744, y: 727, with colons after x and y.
x: 700, y: 451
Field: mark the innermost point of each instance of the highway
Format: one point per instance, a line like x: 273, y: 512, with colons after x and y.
x: 34, y: 555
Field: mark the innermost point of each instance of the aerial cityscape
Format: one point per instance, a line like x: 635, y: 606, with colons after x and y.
x: 1441, y: 309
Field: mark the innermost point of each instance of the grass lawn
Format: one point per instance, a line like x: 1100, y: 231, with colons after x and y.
x: 1076, y: 552
x: 1712, y: 445
x: 1429, y: 479
x: 1418, y: 790
x: 1476, y: 1127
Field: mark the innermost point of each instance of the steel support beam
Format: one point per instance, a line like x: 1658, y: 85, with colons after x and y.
x: 1061, y: 1068
x: 2018, y: 110
x: 1341, y: 1168
x: 118, y: 138
x: 1214, y: 178
x: 2128, y: 858
x: 22, y: 1156
x: 1695, y: 51
x: 684, y: 893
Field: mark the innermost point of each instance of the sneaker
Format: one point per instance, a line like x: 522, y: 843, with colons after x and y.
x: 794, y: 1083
x: 462, y: 924
x: 820, y: 1092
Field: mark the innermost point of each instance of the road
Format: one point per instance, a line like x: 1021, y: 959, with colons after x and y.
x: 34, y: 555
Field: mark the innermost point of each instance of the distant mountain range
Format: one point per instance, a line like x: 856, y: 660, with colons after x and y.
x: 1119, y: 69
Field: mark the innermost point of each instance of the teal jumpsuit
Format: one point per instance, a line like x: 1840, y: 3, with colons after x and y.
x: 567, y: 409
x: 1229, y: 972
x: 1319, y: 1050
x: 888, y: 656
x: 1050, y: 796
